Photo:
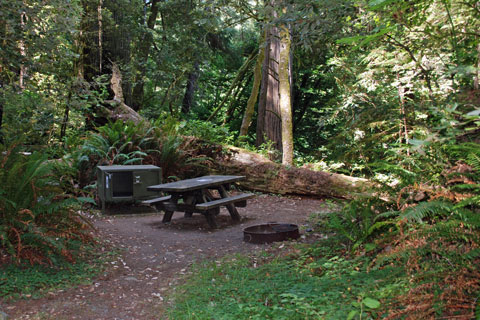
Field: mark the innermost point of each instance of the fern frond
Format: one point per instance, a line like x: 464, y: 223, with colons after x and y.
x: 387, y: 214
x: 426, y: 210
x: 475, y: 200
x: 467, y: 217
x: 467, y: 187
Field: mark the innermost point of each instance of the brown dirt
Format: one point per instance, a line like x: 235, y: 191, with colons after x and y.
x: 155, y: 258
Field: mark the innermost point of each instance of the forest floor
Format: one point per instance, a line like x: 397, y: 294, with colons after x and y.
x: 154, y: 259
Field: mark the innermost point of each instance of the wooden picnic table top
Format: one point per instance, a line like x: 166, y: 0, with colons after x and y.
x: 195, y: 183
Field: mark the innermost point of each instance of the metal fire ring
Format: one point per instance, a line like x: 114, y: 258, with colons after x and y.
x: 270, y: 232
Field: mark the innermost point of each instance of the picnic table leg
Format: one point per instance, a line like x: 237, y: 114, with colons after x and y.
x: 231, y: 207
x: 189, y: 200
x: 167, y: 217
x: 210, y: 215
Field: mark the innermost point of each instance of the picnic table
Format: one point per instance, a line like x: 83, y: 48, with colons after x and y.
x: 196, y: 196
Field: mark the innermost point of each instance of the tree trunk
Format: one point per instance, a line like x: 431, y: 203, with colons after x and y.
x: 120, y: 110
x: 273, y: 120
x: 23, y: 51
x: 238, y: 80
x: 476, y: 79
x: 266, y: 176
x: 190, y: 88
x: 2, y: 102
x: 285, y: 96
x: 63, y: 128
x: 236, y: 101
x: 257, y: 78
x: 90, y: 64
x: 260, y: 131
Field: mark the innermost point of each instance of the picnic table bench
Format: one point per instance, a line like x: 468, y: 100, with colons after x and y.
x: 195, y: 196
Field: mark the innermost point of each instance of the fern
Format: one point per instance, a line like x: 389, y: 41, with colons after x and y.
x: 33, y: 213
x: 427, y: 210
x: 473, y: 159
x: 463, y: 150
x: 387, y: 214
x: 357, y: 222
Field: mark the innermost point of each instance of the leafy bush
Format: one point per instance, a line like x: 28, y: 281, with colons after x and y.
x: 158, y: 143
x: 38, y: 221
x: 358, y: 222
x: 118, y: 143
x: 206, y: 131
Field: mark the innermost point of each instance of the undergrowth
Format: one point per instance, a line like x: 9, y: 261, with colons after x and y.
x: 34, y: 281
x: 410, y: 252
x: 39, y: 222
x: 125, y: 143
x: 311, y: 282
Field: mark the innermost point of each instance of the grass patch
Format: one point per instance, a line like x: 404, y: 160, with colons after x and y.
x: 311, y: 283
x: 34, y: 281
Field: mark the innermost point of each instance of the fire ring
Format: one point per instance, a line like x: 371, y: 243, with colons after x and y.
x: 270, y: 232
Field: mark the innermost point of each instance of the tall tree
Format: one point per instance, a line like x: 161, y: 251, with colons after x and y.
x: 274, y: 122
x: 269, y: 122
x: 285, y: 92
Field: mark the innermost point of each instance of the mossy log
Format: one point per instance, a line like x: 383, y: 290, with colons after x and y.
x: 267, y: 176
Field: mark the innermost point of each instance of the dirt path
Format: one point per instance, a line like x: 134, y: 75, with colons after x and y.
x: 155, y: 257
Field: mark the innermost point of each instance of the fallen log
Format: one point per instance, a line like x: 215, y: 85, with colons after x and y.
x: 267, y: 176
x: 120, y: 110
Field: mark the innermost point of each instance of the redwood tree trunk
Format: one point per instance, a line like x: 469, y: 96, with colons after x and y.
x: 269, y: 124
x: 273, y: 123
x: 285, y: 96
x: 263, y: 94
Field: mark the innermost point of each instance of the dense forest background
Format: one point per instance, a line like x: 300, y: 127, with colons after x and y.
x: 384, y: 89
x: 366, y: 80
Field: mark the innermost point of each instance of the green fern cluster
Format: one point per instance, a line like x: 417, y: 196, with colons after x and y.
x: 119, y: 143
x: 123, y: 143
x: 37, y: 220
x: 357, y: 221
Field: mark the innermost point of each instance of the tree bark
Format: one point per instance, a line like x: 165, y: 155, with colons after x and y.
x: 273, y: 120
x: 22, y: 47
x: 190, y: 88
x: 285, y: 96
x: 257, y: 78
x: 266, y: 176
x: 63, y: 128
x: 2, y: 102
x: 476, y: 79
x: 260, y: 131
x: 119, y: 110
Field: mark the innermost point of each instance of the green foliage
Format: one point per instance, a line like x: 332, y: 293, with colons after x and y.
x: 158, y: 143
x: 206, y: 131
x: 315, y: 284
x: 358, y: 222
x: 27, y: 281
x: 118, y: 143
x: 38, y: 220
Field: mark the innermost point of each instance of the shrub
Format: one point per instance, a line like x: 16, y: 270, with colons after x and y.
x: 38, y: 221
